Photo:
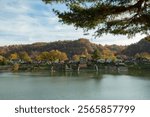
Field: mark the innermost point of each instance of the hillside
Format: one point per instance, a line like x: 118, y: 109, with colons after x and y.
x: 78, y: 47
x: 116, y: 48
x: 140, y: 47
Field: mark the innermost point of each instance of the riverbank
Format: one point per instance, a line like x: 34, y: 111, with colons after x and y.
x: 73, y: 67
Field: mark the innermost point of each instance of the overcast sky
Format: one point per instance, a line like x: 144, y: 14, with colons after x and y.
x: 29, y: 21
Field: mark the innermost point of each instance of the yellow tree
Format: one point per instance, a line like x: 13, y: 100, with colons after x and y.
x: 57, y: 55
x: 63, y: 56
x: 76, y: 57
x: 25, y: 57
x: 13, y: 56
x: 53, y: 54
x: 44, y: 56
x: 145, y: 55
x: 1, y: 58
x: 38, y: 58
x: 107, y: 54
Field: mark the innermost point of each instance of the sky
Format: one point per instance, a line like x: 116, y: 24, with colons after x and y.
x: 30, y: 21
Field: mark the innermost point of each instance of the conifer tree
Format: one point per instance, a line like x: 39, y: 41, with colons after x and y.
x: 126, y: 17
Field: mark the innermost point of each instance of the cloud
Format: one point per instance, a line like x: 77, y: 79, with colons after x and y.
x: 118, y: 39
x: 26, y: 21
x: 29, y: 21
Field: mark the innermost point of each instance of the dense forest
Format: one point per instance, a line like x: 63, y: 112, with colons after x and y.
x: 140, y: 47
x: 72, y: 50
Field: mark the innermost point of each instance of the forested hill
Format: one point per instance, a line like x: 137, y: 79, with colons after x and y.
x: 71, y: 48
x: 77, y: 47
x: 137, y: 48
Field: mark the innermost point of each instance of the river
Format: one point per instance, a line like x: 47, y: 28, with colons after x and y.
x: 83, y: 85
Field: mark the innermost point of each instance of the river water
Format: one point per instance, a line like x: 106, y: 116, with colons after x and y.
x: 85, y: 85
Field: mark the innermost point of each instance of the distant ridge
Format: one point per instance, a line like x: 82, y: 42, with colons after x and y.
x: 78, y: 47
x: 70, y: 47
x: 140, y: 47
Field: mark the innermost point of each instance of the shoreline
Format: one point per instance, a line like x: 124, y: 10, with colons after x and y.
x: 61, y: 67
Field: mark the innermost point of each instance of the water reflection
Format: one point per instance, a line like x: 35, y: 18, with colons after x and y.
x: 75, y: 85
